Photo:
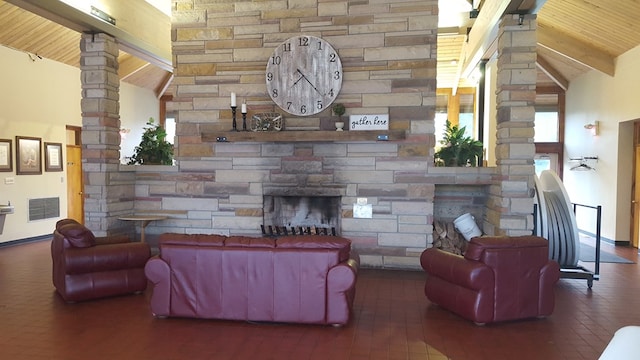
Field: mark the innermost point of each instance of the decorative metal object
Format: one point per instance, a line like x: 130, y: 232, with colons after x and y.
x: 267, y: 122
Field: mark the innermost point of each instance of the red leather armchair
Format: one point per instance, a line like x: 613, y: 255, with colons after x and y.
x: 86, y: 267
x: 497, y: 279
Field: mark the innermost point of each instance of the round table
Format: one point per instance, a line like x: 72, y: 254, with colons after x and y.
x: 144, y: 221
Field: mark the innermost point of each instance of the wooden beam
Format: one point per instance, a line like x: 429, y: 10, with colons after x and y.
x: 574, y: 49
x: 456, y: 82
x: 525, y: 6
x: 551, y: 72
x: 483, y: 33
x: 129, y: 66
x: 164, y: 85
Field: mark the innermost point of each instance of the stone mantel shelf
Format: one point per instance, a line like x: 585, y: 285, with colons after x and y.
x: 304, y: 136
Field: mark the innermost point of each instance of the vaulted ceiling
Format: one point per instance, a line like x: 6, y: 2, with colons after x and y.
x: 574, y: 36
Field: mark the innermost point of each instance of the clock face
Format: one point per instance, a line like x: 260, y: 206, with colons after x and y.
x: 304, y: 75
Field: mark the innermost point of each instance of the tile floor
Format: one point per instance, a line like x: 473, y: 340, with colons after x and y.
x: 392, y: 320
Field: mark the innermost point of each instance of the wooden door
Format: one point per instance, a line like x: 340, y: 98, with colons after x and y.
x: 75, y: 185
x: 635, y: 188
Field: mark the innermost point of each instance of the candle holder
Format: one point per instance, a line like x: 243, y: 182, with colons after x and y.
x: 244, y: 121
x: 233, y: 114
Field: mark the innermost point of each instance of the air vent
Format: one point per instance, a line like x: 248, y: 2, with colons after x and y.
x: 44, y: 208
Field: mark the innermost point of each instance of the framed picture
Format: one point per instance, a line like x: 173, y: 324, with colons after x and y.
x: 6, y: 158
x: 28, y: 155
x: 52, y: 156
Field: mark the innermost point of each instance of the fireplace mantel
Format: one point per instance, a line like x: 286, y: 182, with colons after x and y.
x: 303, y: 136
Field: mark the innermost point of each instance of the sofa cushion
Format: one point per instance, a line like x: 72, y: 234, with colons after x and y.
x: 191, y: 239
x: 247, y: 241
x: 316, y: 242
x: 77, y: 235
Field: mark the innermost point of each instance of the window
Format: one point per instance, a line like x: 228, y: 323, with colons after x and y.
x: 549, y: 127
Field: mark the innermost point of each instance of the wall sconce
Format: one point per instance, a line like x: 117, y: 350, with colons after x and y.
x: 594, y: 127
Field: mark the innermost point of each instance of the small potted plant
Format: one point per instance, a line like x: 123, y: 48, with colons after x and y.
x: 154, y: 149
x: 458, y: 149
x: 339, y: 110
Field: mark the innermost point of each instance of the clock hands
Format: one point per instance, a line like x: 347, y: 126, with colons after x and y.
x: 302, y: 76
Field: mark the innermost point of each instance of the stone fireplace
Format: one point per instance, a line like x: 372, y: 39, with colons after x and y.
x: 307, y: 209
x: 302, y: 214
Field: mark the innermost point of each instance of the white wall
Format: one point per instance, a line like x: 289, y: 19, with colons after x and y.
x: 614, y: 102
x: 38, y: 98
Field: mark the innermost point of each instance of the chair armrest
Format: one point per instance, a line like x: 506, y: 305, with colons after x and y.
x: 549, y: 276
x: 112, y: 239
x: 341, y: 286
x: 456, y: 269
x: 159, y: 274
x: 106, y: 258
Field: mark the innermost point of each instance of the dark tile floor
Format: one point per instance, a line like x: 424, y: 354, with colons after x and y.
x: 392, y: 320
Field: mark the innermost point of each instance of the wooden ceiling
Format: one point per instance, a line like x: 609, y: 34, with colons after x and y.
x: 574, y: 36
x: 41, y: 38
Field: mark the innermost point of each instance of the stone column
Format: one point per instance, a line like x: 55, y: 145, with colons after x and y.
x: 510, y: 208
x: 101, y: 133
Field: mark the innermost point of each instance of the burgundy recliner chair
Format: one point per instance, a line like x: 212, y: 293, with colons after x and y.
x: 497, y: 279
x: 88, y: 267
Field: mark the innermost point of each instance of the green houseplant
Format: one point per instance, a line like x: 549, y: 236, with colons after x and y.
x: 458, y: 149
x: 339, y: 110
x: 154, y: 149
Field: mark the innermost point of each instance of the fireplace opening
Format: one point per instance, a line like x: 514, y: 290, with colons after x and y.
x: 302, y: 214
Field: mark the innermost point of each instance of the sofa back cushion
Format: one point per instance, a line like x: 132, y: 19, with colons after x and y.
x: 342, y: 245
x: 248, y: 241
x: 201, y: 240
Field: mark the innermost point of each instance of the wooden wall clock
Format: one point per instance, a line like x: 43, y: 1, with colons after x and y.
x: 304, y: 75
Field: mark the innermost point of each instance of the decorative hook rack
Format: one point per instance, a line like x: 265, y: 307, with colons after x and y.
x: 584, y: 163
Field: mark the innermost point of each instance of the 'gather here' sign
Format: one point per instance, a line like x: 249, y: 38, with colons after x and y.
x: 369, y: 122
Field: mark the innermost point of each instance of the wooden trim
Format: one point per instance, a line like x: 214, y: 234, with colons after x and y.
x: 303, y: 136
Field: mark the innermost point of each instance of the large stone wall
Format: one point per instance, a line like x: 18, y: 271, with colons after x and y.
x: 388, y: 51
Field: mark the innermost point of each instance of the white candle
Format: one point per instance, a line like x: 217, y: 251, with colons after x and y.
x: 233, y: 99
x: 244, y: 108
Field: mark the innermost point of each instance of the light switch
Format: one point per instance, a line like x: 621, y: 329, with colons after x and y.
x: 9, y: 180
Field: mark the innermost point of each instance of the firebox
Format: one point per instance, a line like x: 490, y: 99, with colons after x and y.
x: 302, y: 214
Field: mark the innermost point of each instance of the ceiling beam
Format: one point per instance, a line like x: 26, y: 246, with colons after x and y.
x: 484, y: 33
x: 525, y: 6
x: 161, y: 89
x: 574, y: 49
x: 551, y: 72
x: 132, y: 21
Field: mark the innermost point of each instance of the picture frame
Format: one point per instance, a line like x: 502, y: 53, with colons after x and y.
x: 28, y: 155
x: 6, y: 157
x: 52, y: 156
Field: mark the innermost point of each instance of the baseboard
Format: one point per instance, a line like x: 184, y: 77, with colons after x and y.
x: 25, y: 240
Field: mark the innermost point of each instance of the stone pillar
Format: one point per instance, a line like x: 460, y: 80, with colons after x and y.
x: 101, y: 132
x: 510, y: 208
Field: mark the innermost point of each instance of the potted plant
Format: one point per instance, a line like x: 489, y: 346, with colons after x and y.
x: 154, y: 149
x: 339, y: 110
x: 458, y: 149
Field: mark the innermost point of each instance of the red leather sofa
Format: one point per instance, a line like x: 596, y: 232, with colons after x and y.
x: 300, y: 279
x: 497, y: 279
x: 88, y: 267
